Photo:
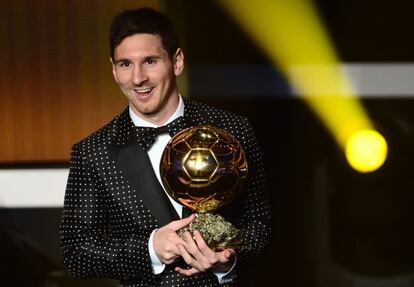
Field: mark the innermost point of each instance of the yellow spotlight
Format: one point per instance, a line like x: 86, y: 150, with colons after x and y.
x: 366, y: 150
x: 293, y: 36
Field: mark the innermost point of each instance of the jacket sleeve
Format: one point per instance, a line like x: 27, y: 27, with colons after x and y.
x: 88, y: 247
x: 255, y: 220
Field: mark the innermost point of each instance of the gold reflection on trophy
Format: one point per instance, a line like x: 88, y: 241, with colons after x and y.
x: 204, y: 168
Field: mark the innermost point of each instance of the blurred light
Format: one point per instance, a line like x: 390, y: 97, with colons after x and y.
x: 294, y: 38
x: 366, y: 150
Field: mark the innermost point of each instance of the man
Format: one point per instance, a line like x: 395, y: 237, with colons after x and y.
x: 118, y: 222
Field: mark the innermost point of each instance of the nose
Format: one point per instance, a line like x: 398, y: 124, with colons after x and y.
x: 139, y: 76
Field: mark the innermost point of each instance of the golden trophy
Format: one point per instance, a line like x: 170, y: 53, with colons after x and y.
x: 204, y: 168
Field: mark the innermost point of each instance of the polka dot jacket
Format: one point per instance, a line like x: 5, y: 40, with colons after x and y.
x: 107, y: 221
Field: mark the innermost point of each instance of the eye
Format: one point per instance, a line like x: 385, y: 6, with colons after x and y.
x: 124, y: 64
x: 150, y: 62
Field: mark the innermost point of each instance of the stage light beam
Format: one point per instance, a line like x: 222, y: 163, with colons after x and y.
x: 294, y: 38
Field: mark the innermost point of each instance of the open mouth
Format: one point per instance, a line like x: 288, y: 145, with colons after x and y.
x: 143, y: 92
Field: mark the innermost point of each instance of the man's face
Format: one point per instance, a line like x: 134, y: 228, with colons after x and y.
x: 146, y: 75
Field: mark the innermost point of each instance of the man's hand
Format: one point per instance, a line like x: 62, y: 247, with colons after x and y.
x: 201, y: 258
x: 166, y: 240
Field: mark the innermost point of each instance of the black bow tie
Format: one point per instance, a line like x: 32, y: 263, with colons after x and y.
x: 146, y: 135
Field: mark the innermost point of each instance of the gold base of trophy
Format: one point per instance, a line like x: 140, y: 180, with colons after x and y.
x: 218, y: 233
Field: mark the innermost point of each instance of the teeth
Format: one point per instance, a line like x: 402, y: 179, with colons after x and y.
x: 144, y: 90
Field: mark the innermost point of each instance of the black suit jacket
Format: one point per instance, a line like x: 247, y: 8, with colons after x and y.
x: 112, y: 204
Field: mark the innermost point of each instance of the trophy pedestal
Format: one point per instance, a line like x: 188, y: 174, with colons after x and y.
x: 218, y: 233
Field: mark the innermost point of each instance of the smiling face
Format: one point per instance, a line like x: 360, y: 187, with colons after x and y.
x: 147, y: 76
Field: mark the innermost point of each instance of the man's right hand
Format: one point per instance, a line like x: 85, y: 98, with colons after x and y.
x: 166, y: 240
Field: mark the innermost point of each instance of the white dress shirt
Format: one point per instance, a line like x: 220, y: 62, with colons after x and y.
x: 155, y: 153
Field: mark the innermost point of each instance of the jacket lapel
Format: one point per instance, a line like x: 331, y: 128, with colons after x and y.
x: 136, y: 167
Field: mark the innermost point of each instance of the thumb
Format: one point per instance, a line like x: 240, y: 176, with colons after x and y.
x: 177, y: 224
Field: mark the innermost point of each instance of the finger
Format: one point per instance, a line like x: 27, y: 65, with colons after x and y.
x: 186, y: 272
x: 202, y: 245
x: 193, y: 248
x: 222, y: 257
x: 226, y: 255
x: 167, y: 237
x: 189, y: 259
x: 208, y: 254
x: 206, y: 260
x: 177, y: 224
x: 170, y: 260
x: 175, y: 238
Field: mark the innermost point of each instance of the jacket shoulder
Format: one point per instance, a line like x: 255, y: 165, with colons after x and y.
x: 203, y: 113
x: 237, y: 125
x: 106, y: 135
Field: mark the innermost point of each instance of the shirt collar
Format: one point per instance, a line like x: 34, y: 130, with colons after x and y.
x: 140, y: 122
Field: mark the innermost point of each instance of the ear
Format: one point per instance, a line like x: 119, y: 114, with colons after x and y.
x: 113, y: 69
x: 178, y: 62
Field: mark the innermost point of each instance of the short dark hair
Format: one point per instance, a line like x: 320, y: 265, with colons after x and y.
x: 143, y: 21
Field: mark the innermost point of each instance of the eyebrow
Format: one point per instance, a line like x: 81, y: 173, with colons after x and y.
x: 150, y: 57
x: 122, y: 61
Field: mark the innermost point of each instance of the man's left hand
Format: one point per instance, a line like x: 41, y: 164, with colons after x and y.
x: 201, y: 258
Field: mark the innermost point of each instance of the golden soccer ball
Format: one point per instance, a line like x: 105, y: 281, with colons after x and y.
x: 203, y: 168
